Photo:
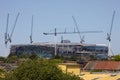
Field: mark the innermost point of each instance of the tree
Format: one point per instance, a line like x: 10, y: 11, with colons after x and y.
x: 39, y: 69
x: 2, y: 73
x: 33, y: 56
x: 24, y: 55
x: 116, y: 57
x: 12, y: 59
x: 2, y: 58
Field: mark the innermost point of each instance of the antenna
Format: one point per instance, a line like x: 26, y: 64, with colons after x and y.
x: 109, y: 35
x: 31, y: 41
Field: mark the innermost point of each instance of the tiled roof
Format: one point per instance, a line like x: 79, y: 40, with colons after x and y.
x: 103, y: 65
x: 107, y: 65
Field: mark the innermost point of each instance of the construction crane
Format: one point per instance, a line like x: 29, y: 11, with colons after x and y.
x: 74, y: 32
x: 55, y: 33
x: 76, y: 25
x: 7, y: 35
x: 109, y: 36
x: 31, y: 41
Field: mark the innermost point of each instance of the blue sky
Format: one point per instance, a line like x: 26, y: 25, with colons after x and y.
x: 49, y: 14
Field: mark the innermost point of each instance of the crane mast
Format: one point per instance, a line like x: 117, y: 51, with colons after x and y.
x: 76, y: 25
x: 109, y: 36
x: 31, y: 41
x: 7, y: 35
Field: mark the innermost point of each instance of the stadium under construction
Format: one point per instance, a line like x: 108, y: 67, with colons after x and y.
x: 66, y: 49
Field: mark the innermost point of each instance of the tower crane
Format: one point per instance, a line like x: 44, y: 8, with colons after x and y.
x: 74, y: 32
x: 55, y: 33
x: 7, y: 35
x: 109, y: 36
x: 76, y: 25
x: 31, y: 41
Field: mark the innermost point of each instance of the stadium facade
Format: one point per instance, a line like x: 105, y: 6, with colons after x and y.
x: 47, y: 50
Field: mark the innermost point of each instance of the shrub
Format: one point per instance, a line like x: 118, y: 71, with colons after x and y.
x: 39, y: 69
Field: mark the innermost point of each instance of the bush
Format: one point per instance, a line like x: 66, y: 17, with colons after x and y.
x: 12, y: 59
x: 2, y: 73
x: 39, y: 70
x: 116, y: 57
x: 2, y: 58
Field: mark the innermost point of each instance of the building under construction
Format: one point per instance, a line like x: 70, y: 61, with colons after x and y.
x: 66, y: 49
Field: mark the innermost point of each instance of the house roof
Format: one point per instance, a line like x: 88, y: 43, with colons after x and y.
x: 107, y: 65
x: 72, y: 64
x: 103, y: 65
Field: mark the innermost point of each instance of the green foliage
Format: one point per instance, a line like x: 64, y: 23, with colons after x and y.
x: 57, y: 57
x: 2, y: 73
x: 73, y: 58
x: 24, y: 55
x: 55, y: 61
x: 39, y: 69
x: 2, y: 58
x: 116, y: 58
x: 12, y: 59
x: 33, y: 56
